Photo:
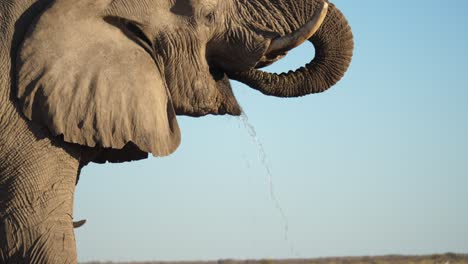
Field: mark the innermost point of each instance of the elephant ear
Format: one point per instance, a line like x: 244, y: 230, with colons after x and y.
x: 85, y: 79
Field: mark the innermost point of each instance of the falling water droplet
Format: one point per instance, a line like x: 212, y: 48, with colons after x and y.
x: 263, y: 159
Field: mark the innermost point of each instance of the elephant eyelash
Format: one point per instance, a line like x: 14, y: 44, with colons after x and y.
x: 210, y: 17
x: 207, y: 15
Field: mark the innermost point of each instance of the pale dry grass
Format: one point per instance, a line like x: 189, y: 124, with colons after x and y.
x: 449, y: 258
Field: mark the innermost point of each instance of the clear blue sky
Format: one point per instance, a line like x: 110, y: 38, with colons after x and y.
x: 376, y: 165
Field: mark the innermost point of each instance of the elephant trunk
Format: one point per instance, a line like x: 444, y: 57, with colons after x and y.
x: 333, y: 43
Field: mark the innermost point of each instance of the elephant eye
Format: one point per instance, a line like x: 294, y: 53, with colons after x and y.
x: 209, y: 18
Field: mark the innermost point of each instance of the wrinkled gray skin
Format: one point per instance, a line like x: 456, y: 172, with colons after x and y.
x: 103, y: 80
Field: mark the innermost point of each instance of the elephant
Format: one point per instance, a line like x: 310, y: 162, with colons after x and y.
x: 103, y: 81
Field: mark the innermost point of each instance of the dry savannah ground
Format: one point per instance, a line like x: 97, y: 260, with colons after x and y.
x: 449, y: 258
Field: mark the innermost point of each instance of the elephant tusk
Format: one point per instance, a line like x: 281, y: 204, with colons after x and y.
x: 79, y: 224
x: 285, y: 43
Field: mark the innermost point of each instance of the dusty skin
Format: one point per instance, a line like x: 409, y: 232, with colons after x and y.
x: 103, y: 81
x: 449, y: 258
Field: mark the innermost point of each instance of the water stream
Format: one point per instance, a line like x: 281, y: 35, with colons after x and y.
x: 262, y: 157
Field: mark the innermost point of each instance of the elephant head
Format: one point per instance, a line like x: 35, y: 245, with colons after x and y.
x: 114, y: 74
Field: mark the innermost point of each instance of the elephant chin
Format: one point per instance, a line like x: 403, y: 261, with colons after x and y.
x: 224, y: 103
x: 229, y: 104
